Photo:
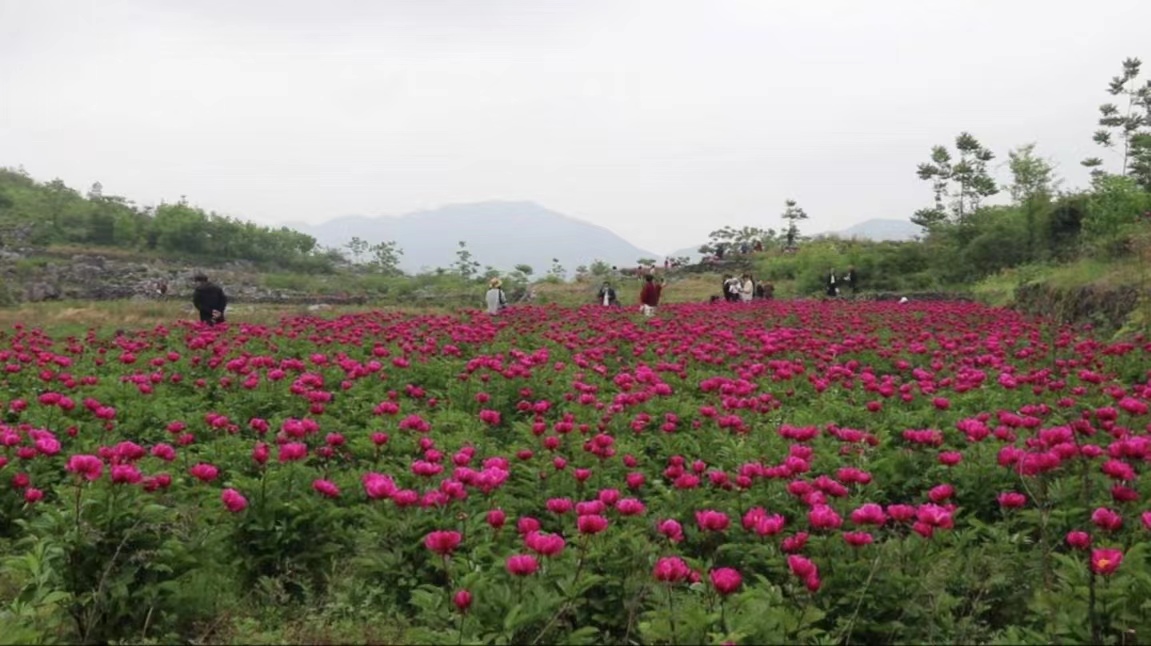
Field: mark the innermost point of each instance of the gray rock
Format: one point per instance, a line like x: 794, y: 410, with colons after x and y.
x: 38, y: 292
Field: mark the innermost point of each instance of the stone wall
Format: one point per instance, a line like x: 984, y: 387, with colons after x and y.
x: 42, y: 276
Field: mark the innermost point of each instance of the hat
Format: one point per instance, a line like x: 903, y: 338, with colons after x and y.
x: 199, y: 276
x: 495, y: 282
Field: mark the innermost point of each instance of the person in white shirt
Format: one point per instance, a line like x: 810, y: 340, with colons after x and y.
x: 496, y: 300
x: 746, y: 289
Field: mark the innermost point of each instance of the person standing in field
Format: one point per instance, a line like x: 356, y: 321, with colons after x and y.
x: 209, y: 300
x: 607, y: 295
x: 495, y: 298
x: 730, y: 288
x: 832, y: 284
x: 852, y: 280
x: 649, y: 295
x: 746, y: 288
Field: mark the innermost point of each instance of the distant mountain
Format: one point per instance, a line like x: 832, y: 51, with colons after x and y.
x: 500, y: 234
x: 880, y: 229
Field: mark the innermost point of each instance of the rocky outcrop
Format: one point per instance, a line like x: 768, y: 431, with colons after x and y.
x: 44, y: 277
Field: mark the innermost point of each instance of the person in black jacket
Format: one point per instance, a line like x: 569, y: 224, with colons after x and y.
x: 209, y: 300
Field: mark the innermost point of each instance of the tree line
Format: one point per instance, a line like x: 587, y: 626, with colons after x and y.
x: 45, y: 214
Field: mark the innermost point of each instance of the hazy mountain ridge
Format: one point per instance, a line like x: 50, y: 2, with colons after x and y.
x: 501, y: 234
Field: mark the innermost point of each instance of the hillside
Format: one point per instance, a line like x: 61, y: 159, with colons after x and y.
x: 500, y: 234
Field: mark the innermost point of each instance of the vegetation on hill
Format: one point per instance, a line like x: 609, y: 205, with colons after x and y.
x: 47, y: 214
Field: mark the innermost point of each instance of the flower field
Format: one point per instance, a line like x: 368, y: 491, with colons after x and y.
x: 777, y: 472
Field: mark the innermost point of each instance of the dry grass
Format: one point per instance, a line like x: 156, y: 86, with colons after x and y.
x: 688, y: 289
x: 76, y: 317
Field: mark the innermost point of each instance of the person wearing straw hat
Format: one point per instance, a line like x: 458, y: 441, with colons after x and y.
x: 496, y: 300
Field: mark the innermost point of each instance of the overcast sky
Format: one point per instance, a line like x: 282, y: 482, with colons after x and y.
x: 659, y: 119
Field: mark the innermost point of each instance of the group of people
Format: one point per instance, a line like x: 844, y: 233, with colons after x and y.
x: 849, y: 280
x: 649, y: 295
x: 211, y: 302
x: 744, y: 289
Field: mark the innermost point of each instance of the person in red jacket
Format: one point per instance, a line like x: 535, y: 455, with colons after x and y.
x: 649, y: 295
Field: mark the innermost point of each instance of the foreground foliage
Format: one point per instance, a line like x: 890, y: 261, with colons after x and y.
x: 783, y: 471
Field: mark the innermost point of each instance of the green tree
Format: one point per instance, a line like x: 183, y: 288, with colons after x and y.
x: 966, y: 180
x: 557, y: 272
x: 731, y: 236
x: 1032, y: 183
x: 1130, y: 125
x: 522, y: 273
x: 466, y: 267
x: 793, y: 215
x: 358, y: 247
x: 385, y: 258
x: 599, y: 268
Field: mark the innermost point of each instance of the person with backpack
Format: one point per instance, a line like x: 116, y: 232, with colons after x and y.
x: 495, y: 298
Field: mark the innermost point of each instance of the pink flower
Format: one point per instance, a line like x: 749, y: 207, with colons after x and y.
x: 801, y: 566
x: 941, y: 493
x: 204, y: 472
x: 629, y: 507
x: 858, y: 539
x: 443, y: 542
x: 1146, y: 518
x: 559, y: 505
x: 725, y: 580
x: 1106, y: 519
x: 522, y: 565
x: 326, y: 488
x: 32, y: 495
x: 671, y: 569
x: 1012, y: 500
x: 869, y: 514
x: 462, y: 599
x: 950, y: 458
x: 233, y: 500
x: 378, y: 486
x: 769, y: 525
x: 795, y: 543
x: 545, y: 544
x: 125, y: 474
x: 496, y: 518
x: 901, y: 513
x: 89, y: 467
x: 1105, y: 561
x: 671, y: 529
x: 591, y: 524
x: 824, y: 517
x: 1079, y: 540
x: 527, y: 525
x: 710, y: 520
